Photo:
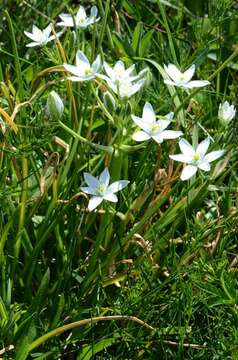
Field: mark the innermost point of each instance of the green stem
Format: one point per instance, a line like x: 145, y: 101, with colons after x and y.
x: 79, y: 323
x: 171, y: 44
x: 108, y: 149
x: 16, y: 57
x: 22, y: 205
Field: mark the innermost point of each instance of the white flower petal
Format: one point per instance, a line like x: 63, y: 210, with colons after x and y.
x: 73, y: 69
x: 148, y: 114
x: 81, y: 14
x: 104, y: 178
x: 196, y: 84
x: 110, y: 197
x: 93, y: 12
x: 214, y: 155
x: 96, y: 65
x: 188, y: 74
x: 188, y: 172
x: 203, y: 147
x: 163, y: 124
x: 117, y: 186
x: 186, y: 148
x: 94, y: 202
x: 158, y: 138
x: 181, y: 158
x: 77, y: 78
x: 67, y: 20
x: 140, y: 136
x: 91, y: 181
x: 141, y: 123
x: 89, y: 190
x: 47, y: 30
x: 36, y: 31
x: 173, y: 72
x: 109, y: 70
x: 32, y: 44
x: 119, y: 67
x: 30, y: 35
x: 129, y: 71
x: 169, y: 116
x: 171, y: 134
x: 204, y: 165
x: 82, y: 60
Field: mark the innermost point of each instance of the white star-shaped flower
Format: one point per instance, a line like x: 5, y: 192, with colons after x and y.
x: 195, y: 158
x: 81, y: 19
x: 177, y: 78
x: 118, y: 73
x: 100, y: 188
x: 41, y: 37
x: 83, y: 71
x: 152, y: 129
x: 126, y: 89
x: 226, y: 113
x: 122, y: 81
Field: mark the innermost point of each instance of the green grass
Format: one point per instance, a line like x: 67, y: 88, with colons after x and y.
x: 166, y: 253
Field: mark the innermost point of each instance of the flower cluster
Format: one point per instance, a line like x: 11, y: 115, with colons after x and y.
x: 124, y: 83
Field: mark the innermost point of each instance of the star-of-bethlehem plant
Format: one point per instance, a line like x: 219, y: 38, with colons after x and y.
x: 100, y: 189
x: 152, y: 129
x: 195, y: 158
x: 40, y: 37
x: 81, y: 20
x: 183, y: 80
x: 125, y: 83
x: 83, y: 71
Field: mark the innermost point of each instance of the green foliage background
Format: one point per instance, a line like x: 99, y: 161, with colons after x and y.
x: 169, y: 254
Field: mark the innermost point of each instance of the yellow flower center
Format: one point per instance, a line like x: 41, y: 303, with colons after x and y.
x: 101, y: 189
x: 196, y: 157
x: 154, y: 128
x: 181, y: 78
x: 88, y: 72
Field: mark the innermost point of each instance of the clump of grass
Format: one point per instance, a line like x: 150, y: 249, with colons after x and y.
x: 154, y: 273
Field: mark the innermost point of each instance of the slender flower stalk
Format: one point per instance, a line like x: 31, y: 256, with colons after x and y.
x: 41, y: 37
x: 81, y: 19
x: 195, y: 158
x: 152, y: 129
x: 100, y: 188
x: 83, y: 71
x: 183, y: 80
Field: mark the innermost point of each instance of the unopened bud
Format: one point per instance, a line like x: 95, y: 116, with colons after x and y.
x: 109, y: 101
x: 226, y: 113
x: 55, y: 106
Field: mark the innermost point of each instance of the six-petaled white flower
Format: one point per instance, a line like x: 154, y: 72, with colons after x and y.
x: 122, y: 81
x: 100, y: 188
x: 152, y: 129
x: 81, y: 19
x: 177, y: 78
x: 40, y: 37
x: 83, y: 71
x: 127, y: 89
x: 195, y: 158
x: 226, y: 113
x: 118, y: 73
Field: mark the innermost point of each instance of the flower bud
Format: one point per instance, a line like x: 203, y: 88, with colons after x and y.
x: 55, y: 106
x: 109, y: 101
x: 226, y: 113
